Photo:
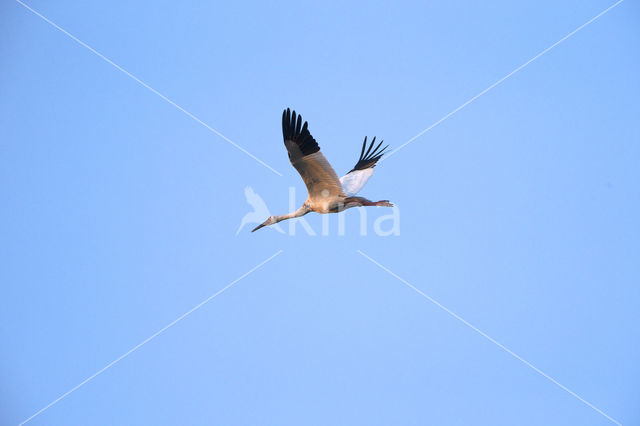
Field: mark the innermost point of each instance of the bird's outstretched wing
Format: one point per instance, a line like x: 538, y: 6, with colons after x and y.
x: 304, y: 153
x: 354, y: 181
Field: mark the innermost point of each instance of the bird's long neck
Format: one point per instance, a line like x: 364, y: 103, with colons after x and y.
x: 300, y: 212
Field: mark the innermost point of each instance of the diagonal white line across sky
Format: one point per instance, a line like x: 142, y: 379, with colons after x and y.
x: 145, y: 85
x: 486, y: 336
x: 500, y: 81
x: 148, y: 339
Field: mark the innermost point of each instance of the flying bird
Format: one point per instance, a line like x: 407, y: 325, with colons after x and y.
x: 327, y: 193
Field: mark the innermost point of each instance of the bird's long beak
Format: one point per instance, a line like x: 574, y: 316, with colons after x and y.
x: 259, y: 226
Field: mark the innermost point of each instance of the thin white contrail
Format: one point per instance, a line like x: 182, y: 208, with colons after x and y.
x: 500, y: 81
x: 489, y: 338
x: 145, y: 85
x: 148, y: 339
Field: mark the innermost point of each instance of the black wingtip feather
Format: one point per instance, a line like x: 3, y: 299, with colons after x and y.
x: 364, y: 145
x: 370, y: 146
x: 294, y: 130
x: 371, y: 157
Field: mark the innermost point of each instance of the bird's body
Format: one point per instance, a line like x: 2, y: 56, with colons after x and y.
x: 327, y: 193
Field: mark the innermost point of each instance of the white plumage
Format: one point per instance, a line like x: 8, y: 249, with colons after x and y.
x: 354, y: 181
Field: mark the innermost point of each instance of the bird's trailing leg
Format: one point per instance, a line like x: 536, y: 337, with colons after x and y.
x: 363, y: 202
x: 383, y: 203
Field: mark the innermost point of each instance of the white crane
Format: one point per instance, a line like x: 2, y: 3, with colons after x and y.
x: 327, y: 193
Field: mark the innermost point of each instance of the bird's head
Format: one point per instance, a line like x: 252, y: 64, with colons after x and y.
x: 270, y: 221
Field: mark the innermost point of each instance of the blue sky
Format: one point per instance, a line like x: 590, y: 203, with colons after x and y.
x: 519, y: 213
